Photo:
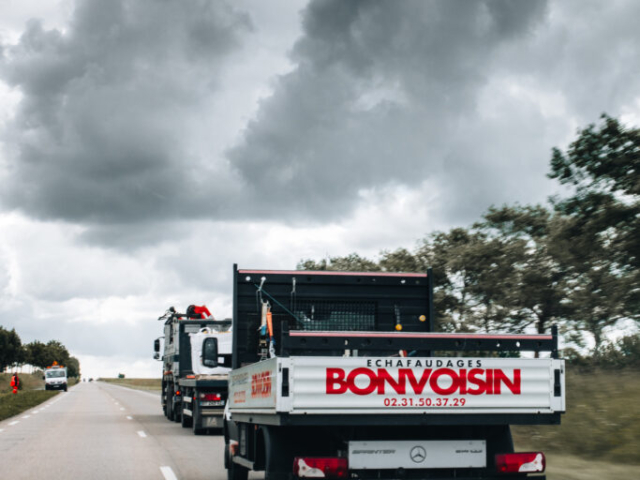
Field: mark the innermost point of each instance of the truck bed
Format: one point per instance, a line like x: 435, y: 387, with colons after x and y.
x: 395, y: 387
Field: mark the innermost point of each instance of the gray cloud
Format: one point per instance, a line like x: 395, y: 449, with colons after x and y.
x: 102, y: 132
x: 460, y: 94
x: 400, y: 92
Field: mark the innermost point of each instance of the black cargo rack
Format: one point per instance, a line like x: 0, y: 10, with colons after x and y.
x: 294, y: 342
x: 319, y: 301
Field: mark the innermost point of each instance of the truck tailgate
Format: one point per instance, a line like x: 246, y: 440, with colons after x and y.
x: 393, y: 385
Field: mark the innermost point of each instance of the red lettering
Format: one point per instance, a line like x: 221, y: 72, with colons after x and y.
x: 476, y: 381
x: 373, y: 381
x: 500, y: 377
x: 473, y: 379
x: 489, y: 383
x: 463, y: 381
x: 335, y: 376
x: 433, y: 381
x: 398, y: 385
x: 418, y: 386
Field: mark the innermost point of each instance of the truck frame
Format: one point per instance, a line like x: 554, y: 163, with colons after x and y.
x: 351, y: 381
x: 195, y: 400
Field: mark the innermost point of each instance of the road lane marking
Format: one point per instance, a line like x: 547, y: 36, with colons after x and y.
x: 25, y: 417
x: 1, y: 430
x: 14, y: 423
x: 121, y: 408
x: 142, y: 434
x: 129, y: 418
x: 36, y: 412
x: 168, y: 473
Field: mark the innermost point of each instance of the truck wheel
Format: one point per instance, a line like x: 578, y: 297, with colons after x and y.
x: 277, y: 455
x: 195, y: 420
x: 170, y: 407
x: 187, y: 421
x: 65, y: 388
x: 235, y: 471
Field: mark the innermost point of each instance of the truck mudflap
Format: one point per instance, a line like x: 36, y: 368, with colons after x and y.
x: 397, y: 386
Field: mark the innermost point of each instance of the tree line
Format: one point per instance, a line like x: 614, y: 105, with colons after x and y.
x: 13, y: 353
x: 573, y: 262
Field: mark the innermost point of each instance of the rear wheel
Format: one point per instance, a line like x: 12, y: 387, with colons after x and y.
x: 187, y: 421
x: 170, y: 407
x: 195, y: 420
x: 235, y: 471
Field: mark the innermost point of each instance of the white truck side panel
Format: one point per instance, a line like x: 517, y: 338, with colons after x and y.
x: 384, y: 385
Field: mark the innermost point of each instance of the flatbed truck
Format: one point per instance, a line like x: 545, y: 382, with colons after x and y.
x: 193, y: 393
x: 352, y: 382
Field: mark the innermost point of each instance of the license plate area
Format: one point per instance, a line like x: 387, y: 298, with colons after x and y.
x: 212, y: 404
x: 412, y: 454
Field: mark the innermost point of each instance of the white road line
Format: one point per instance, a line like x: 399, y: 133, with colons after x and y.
x: 121, y: 408
x: 1, y: 430
x: 129, y: 418
x: 168, y: 473
x: 36, y: 412
x: 14, y: 423
x: 25, y: 417
x: 142, y: 434
x: 116, y: 403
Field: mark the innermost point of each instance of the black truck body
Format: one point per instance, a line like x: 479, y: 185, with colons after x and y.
x: 353, y: 382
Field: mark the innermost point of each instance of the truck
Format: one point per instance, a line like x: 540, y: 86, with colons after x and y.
x: 341, y: 375
x: 55, y: 377
x: 194, y: 392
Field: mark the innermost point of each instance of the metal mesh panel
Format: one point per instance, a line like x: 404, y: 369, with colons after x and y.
x: 323, y: 315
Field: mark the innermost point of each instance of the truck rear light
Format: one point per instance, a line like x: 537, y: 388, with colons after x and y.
x: 320, y: 467
x: 529, y: 462
x: 211, y: 397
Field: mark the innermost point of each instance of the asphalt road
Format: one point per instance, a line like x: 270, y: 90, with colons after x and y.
x: 100, y: 431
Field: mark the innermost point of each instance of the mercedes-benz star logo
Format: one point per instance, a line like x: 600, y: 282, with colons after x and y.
x: 418, y: 454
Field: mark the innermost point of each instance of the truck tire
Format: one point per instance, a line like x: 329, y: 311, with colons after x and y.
x: 170, y: 407
x: 278, y: 455
x: 235, y: 471
x: 195, y: 420
x: 65, y: 388
x: 187, y: 421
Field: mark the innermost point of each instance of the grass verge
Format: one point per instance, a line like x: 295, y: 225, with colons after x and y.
x: 11, y: 404
x: 148, y: 384
x: 602, y: 422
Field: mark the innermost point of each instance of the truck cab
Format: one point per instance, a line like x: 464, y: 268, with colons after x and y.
x: 55, y: 377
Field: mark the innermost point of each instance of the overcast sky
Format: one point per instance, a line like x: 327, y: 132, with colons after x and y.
x: 147, y: 146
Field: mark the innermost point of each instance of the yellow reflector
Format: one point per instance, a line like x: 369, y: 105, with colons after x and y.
x: 422, y: 318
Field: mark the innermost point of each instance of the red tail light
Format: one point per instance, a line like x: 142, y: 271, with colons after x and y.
x: 178, y: 392
x: 529, y: 462
x: 211, y: 397
x: 325, y: 467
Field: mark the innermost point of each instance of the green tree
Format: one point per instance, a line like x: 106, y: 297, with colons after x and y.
x: 350, y: 263
x: 35, y: 354
x: 10, y: 348
x: 538, y: 280
x: 55, y: 352
x: 599, y: 234
x: 73, y: 367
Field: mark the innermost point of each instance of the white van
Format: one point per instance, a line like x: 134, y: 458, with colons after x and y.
x: 55, y: 378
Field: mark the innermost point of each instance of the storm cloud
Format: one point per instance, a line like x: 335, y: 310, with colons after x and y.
x: 115, y: 122
x: 104, y: 128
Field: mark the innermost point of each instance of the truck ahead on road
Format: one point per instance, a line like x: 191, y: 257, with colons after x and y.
x: 340, y: 375
x: 194, y: 392
x: 55, y: 377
